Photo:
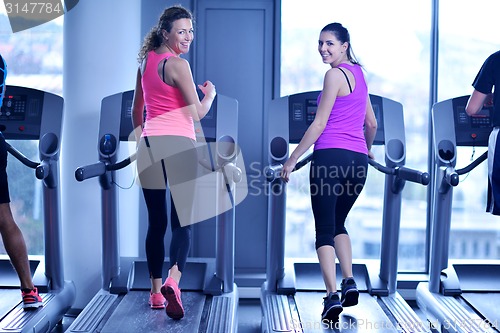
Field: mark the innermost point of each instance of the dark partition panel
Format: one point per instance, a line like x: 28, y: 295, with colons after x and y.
x: 234, y: 42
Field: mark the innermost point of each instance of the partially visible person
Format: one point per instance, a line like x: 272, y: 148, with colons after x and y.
x: 12, y: 236
x: 342, y: 133
x: 166, y: 150
x: 486, y: 79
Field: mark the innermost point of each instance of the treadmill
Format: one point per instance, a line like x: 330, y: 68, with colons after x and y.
x: 391, y: 134
x: 291, y: 295
x: 209, y: 294
x: 30, y: 114
x: 460, y: 297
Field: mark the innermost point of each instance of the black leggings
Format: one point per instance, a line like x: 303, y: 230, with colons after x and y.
x: 337, y: 177
x: 155, y: 248
x: 4, y: 185
x: 157, y: 157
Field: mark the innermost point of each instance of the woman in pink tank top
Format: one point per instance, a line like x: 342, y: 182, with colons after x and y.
x: 165, y: 105
x: 342, y: 132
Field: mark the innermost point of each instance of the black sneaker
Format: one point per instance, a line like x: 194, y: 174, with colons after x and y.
x: 332, y: 307
x: 350, y: 293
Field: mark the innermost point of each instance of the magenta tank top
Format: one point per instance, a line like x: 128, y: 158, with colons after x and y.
x: 344, y: 128
x: 166, y: 110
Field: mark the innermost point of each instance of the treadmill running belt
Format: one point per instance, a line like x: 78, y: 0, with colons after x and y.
x: 133, y: 315
x: 10, y: 298
x: 367, y: 316
x: 487, y: 305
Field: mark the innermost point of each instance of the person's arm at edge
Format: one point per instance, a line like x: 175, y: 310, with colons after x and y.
x: 475, y: 102
x: 370, y: 127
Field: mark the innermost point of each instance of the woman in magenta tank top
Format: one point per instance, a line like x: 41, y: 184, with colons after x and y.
x: 342, y: 133
x: 165, y: 105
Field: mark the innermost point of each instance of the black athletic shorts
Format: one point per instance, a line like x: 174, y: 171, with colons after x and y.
x: 4, y: 185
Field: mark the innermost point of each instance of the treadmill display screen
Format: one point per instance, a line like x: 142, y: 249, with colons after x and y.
x: 206, y: 128
x: 311, y: 109
x: 378, y: 110
x: 378, y: 113
x: 302, y: 109
x: 126, y: 116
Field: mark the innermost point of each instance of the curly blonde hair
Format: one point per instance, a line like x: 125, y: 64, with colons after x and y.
x: 154, y: 38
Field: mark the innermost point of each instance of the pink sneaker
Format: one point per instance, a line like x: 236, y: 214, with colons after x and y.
x: 31, y: 299
x: 156, y: 301
x: 172, y: 293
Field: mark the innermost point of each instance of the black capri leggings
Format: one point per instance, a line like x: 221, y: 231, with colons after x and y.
x: 175, y: 156
x: 4, y: 185
x: 337, y: 177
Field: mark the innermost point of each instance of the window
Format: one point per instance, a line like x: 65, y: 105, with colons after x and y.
x: 391, y: 39
x: 34, y: 59
x: 468, y: 35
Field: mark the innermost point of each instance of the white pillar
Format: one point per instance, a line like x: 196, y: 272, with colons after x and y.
x: 101, y: 42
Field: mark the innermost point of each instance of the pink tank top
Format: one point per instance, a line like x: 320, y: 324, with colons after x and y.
x: 166, y: 110
x: 345, y: 126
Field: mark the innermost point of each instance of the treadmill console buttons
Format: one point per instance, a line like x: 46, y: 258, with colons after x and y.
x: 298, y: 112
x: 14, y: 108
x: 462, y: 118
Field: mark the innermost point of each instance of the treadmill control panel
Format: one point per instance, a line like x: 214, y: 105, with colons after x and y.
x: 471, y: 130
x: 126, y: 115
x: 206, y: 129
x: 378, y: 110
x: 13, y: 108
x: 208, y: 123
x: 303, y: 107
x: 21, y: 113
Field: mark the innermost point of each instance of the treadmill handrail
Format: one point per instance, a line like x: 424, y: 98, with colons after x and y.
x: 412, y: 175
x: 23, y: 159
x: 473, y: 164
x: 122, y: 164
x: 273, y: 171
x: 303, y: 162
x: 402, y: 172
x: 101, y: 167
x: 42, y: 169
x: 232, y: 173
x: 90, y: 171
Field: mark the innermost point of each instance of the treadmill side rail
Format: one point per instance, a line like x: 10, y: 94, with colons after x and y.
x: 448, y: 313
